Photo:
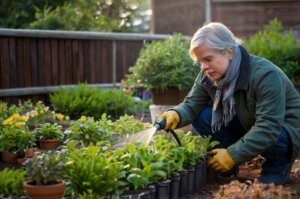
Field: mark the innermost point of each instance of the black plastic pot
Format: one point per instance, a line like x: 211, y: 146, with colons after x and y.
x: 198, y: 176
x: 204, y: 174
x: 191, y: 179
x: 139, y: 194
x: 152, y: 190
x: 183, y: 183
x: 211, y: 176
x: 175, y: 185
x: 162, y: 189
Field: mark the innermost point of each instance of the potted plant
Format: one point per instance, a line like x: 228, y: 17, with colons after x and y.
x: 44, y: 177
x: 48, y: 135
x: 164, y: 67
x: 15, y: 138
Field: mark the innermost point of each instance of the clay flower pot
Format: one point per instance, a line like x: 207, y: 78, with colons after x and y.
x: 49, y: 144
x: 54, y: 191
x: 9, y: 157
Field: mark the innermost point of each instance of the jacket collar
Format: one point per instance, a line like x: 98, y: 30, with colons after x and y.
x: 244, y: 75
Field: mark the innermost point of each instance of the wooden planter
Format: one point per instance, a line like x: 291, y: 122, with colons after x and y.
x: 49, y: 144
x: 54, y: 191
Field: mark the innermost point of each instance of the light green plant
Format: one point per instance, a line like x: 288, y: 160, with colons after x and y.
x: 11, y: 182
x: 88, y: 131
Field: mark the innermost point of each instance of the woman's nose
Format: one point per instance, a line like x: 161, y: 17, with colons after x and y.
x: 204, y: 66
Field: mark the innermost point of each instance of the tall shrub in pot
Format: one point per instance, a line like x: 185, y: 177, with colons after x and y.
x: 164, y: 66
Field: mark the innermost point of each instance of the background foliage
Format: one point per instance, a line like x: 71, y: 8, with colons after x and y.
x: 282, y: 48
x: 96, y: 15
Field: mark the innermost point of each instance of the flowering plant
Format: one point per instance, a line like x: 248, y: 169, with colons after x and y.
x: 15, y: 135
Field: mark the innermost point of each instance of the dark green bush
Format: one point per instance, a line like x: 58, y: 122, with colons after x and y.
x: 282, y: 48
x: 93, y: 102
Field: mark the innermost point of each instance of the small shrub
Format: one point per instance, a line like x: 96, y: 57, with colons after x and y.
x: 282, y: 48
x: 93, y: 102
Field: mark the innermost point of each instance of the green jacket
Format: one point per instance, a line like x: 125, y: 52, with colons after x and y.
x: 266, y: 101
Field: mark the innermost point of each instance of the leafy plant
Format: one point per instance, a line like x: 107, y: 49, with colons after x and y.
x: 91, y: 172
x: 124, y: 126
x: 45, y: 168
x: 92, y: 102
x: 11, y: 182
x: 48, y: 131
x: 162, y: 65
x: 282, y: 48
x: 14, y: 135
x: 141, y: 166
x: 88, y: 131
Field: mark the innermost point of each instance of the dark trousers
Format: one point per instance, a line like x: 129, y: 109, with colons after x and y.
x: 278, y: 163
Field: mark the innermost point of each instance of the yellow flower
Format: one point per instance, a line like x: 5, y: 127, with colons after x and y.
x: 19, y: 124
x: 83, y: 117
x: 35, y: 113
x: 60, y: 116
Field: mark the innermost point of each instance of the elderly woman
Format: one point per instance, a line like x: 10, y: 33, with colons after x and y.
x: 243, y: 101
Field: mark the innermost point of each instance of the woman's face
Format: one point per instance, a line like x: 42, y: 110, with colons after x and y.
x: 213, y: 63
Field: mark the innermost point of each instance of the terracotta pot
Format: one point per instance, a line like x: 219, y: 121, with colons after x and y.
x: 54, y: 191
x: 168, y: 97
x: 49, y: 144
x: 29, y: 152
x: 9, y: 157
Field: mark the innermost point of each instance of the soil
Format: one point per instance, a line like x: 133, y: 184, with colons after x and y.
x: 247, y: 174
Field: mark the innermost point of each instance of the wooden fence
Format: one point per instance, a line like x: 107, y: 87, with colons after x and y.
x: 32, y: 61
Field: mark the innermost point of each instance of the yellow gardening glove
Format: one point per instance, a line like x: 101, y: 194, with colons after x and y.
x: 221, y: 161
x: 172, y: 119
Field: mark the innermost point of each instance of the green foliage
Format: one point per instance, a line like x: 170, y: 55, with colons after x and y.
x: 140, y: 165
x: 48, y: 131
x: 14, y: 138
x: 93, y: 102
x: 88, y: 131
x: 124, y: 126
x: 11, y: 182
x: 45, y: 168
x: 91, y: 172
x: 97, y: 15
x: 282, y: 48
x: 162, y: 65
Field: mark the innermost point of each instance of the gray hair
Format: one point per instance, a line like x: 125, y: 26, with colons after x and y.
x: 216, y: 36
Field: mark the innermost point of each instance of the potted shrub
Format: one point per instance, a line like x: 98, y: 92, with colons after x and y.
x: 164, y: 67
x: 48, y: 135
x: 44, y: 177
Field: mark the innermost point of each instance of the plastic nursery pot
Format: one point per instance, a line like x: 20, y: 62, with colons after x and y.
x: 175, y: 185
x: 138, y: 194
x: 49, y: 144
x: 191, y: 179
x: 211, y: 176
x: 152, y: 190
x: 54, y: 191
x: 162, y: 189
x: 183, y: 183
x: 204, y: 174
x: 199, y: 175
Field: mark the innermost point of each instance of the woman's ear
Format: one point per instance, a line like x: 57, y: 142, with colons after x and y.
x: 229, y: 53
